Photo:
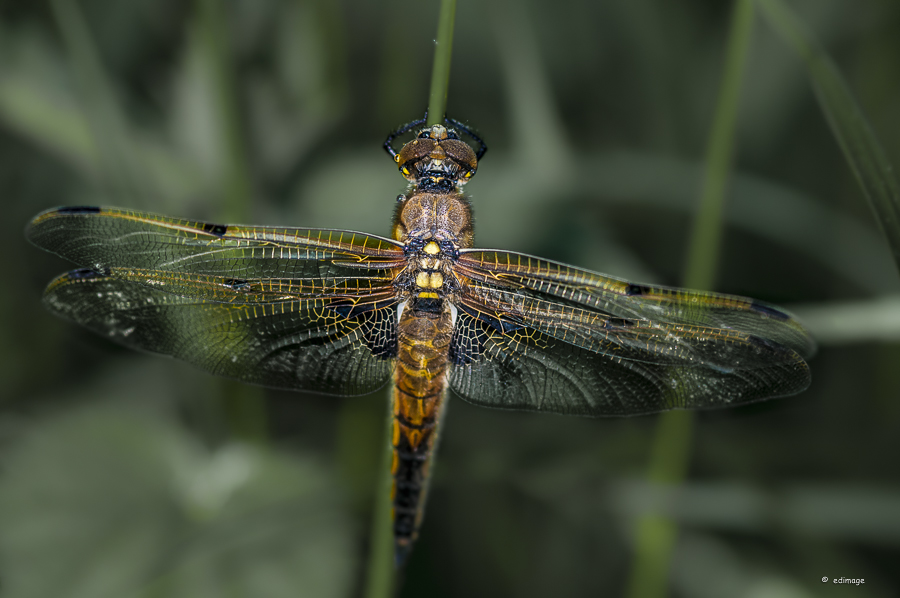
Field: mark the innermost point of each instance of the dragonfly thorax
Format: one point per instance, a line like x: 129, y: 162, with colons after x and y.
x: 445, y: 218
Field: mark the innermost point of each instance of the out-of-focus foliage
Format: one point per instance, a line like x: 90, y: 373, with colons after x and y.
x: 105, y: 502
x: 863, y: 152
x: 596, y: 115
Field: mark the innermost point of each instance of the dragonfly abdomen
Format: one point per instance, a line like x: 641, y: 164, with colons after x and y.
x: 417, y: 406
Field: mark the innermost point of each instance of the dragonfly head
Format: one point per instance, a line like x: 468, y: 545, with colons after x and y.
x: 437, y: 160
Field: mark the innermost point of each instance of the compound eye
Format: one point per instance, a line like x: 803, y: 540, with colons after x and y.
x: 451, y: 134
x: 425, y: 135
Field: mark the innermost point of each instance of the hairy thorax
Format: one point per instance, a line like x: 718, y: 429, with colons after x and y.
x: 433, y: 227
x: 434, y: 216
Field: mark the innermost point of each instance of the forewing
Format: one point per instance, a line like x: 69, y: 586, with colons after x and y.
x: 511, y: 271
x: 104, y: 238
x: 289, y: 308
x: 530, y: 341
x: 266, y: 333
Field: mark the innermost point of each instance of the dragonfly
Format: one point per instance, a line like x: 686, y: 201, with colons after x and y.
x: 346, y: 313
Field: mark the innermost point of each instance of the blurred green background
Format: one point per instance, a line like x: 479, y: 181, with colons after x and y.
x: 121, y: 474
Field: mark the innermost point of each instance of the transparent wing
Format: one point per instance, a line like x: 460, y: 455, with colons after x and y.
x: 554, y: 281
x: 537, y: 335
x: 262, y: 333
x: 289, y: 308
x: 101, y: 238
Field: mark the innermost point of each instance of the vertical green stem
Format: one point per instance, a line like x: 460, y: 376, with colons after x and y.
x: 244, y: 406
x: 703, y: 253
x: 862, y: 150
x: 381, y: 573
x: 440, y: 70
x: 656, y: 534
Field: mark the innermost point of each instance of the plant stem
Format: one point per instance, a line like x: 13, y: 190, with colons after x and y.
x: 670, y: 454
x: 381, y: 572
x: 862, y: 150
x: 440, y: 70
x: 703, y: 253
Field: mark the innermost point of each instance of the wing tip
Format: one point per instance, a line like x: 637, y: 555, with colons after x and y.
x: 65, y: 211
x: 805, y: 345
x: 769, y: 310
x: 74, y: 276
x: 32, y: 227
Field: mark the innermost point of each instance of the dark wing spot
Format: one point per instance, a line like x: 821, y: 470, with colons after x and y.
x: 502, y: 325
x: 87, y: 274
x: 506, y: 326
x: 349, y: 309
x: 619, y: 323
x: 769, y: 311
x: 345, y: 308
x: 218, y: 230
x: 78, y: 210
x: 378, y: 324
x: 636, y: 290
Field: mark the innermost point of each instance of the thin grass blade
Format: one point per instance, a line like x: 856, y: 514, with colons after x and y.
x: 861, y: 148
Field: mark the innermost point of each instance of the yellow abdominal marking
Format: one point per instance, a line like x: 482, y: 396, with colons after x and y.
x: 429, y: 280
